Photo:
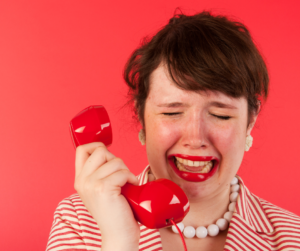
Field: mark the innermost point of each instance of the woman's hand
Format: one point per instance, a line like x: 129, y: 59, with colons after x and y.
x: 99, y: 177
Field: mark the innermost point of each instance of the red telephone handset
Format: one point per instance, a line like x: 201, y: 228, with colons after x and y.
x: 154, y: 204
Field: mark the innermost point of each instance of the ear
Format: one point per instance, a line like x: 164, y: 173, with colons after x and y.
x: 253, y: 118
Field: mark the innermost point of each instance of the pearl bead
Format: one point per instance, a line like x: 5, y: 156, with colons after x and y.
x: 222, y: 224
x: 233, y: 196
x: 235, y: 188
x: 201, y: 232
x: 234, y: 181
x: 231, y: 206
x: 228, y: 216
x: 213, y: 230
x: 189, y: 232
x: 180, y: 226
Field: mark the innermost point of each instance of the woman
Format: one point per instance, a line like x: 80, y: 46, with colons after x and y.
x: 196, y: 86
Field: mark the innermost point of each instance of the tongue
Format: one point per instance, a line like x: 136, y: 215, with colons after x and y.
x: 193, y: 168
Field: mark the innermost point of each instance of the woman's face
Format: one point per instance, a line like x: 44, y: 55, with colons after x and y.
x: 194, y: 124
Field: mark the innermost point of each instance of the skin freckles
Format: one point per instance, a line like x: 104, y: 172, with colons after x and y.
x: 192, y: 127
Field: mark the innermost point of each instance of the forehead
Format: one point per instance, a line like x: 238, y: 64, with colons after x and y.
x: 164, y: 90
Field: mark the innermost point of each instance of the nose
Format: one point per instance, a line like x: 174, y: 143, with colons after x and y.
x: 194, y: 132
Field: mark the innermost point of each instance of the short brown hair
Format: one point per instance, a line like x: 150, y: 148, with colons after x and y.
x: 201, y: 52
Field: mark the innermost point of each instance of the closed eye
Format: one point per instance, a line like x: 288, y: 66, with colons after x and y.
x: 171, y: 114
x: 222, y: 117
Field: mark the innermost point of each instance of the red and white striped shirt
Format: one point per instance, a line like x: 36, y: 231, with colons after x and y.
x: 256, y: 225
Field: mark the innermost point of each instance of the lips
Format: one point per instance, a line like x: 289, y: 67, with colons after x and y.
x: 192, y: 176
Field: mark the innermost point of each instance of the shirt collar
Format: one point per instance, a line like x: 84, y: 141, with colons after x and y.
x: 248, y: 207
x: 143, y: 177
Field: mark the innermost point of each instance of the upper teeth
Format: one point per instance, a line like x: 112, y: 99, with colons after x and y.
x: 192, y: 163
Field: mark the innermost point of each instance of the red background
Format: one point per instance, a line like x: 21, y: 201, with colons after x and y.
x: 58, y: 57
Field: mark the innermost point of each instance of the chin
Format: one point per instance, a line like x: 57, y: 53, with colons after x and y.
x: 196, y: 190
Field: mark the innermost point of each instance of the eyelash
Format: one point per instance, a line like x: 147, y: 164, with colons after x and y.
x: 220, y: 117
x: 171, y: 114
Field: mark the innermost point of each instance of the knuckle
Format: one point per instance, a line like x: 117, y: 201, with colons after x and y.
x: 125, y: 171
x: 119, y: 162
x: 85, y: 147
x: 101, y: 144
x: 89, y: 187
x: 100, y: 148
x: 86, y: 187
x: 77, y: 185
x: 79, y: 149
x: 102, y: 187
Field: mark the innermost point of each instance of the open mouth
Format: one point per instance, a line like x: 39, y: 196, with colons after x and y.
x: 194, y: 168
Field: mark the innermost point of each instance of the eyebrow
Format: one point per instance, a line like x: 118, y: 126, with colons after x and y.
x: 222, y: 105
x: 213, y: 103
x: 173, y: 104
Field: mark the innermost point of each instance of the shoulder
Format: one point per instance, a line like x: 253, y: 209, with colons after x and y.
x: 285, y: 230
x: 72, y: 210
x: 266, y: 226
x: 286, y: 227
x: 70, y: 206
x: 73, y: 227
x: 258, y: 208
x: 280, y: 217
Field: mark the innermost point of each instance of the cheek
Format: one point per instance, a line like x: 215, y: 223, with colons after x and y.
x: 229, y: 142
x: 162, y: 134
x: 160, y: 137
x: 227, y: 138
x: 224, y: 140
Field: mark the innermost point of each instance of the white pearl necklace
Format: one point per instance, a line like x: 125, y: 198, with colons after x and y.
x: 221, y: 224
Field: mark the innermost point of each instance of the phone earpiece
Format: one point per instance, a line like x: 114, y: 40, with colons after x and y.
x: 92, y: 124
x: 153, y: 204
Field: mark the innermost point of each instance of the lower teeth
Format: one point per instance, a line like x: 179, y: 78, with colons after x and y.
x: 205, y: 169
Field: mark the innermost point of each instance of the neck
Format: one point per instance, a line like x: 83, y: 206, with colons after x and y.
x: 207, y: 210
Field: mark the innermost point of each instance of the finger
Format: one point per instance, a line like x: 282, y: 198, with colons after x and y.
x: 117, y: 180
x: 97, y: 159
x: 83, y: 152
x: 109, y: 168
